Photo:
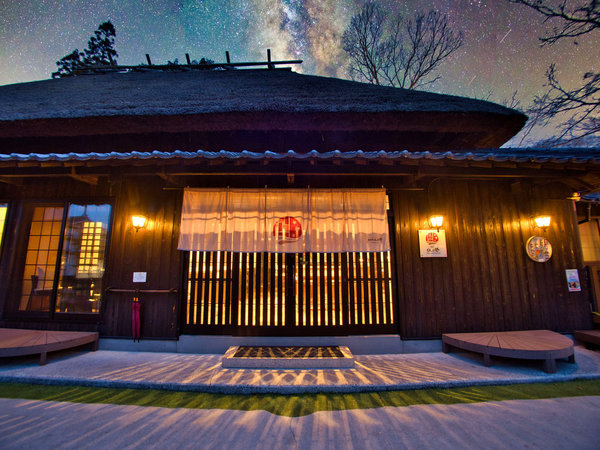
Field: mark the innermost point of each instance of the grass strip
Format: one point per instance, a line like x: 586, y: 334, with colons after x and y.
x: 298, y: 405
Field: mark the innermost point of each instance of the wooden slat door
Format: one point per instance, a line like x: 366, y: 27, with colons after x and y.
x: 288, y: 294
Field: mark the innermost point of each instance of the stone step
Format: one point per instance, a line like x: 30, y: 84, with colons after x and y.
x: 288, y: 357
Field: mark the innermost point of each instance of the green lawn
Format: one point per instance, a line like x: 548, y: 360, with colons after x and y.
x: 297, y: 405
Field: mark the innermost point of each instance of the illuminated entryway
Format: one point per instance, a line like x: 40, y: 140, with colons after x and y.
x: 288, y: 294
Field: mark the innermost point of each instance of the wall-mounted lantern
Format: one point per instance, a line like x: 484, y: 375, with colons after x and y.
x: 138, y: 221
x: 542, y: 221
x: 436, y: 221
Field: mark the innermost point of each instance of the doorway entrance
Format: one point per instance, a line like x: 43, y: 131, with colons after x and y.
x: 288, y: 294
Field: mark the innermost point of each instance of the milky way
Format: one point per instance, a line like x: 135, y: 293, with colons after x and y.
x: 500, y: 55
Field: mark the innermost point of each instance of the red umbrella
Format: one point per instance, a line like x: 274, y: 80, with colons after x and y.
x: 135, y: 317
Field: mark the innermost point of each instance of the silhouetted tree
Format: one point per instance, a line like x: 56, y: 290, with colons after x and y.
x: 582, y: 104
x: 100, y: 50
x: 68, y: 64
x: 203, y: 61
x: 101, y: 46
x: 395, y: 51
x: 194, y: 62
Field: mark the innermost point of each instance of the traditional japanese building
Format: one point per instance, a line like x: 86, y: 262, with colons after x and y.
x: 267, y: 203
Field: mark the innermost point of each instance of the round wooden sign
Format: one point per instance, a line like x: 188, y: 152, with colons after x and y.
x: 538, y: 248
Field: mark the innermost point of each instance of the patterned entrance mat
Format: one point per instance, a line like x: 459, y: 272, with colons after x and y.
x: 288, y: 357
x: 288, y: 352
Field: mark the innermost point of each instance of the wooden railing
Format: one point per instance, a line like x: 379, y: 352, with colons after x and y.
x: 143, y: 291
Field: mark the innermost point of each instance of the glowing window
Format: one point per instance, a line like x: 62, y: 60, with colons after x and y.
x: 65, y: 257
x: 93, y: 238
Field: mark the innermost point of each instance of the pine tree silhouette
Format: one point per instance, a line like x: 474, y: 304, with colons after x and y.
x: 100, y: 50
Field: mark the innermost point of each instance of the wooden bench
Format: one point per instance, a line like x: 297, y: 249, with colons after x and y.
x: 17, y: 342
x: 544, y: 345
x: 588, y: 337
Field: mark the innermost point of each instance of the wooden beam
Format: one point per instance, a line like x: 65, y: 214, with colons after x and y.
x: 278, y: 174
x: 505, y: 164
x: 88, y: 179
x: 269, y: 65
x: 529, y: 165
x: 28, y: 164
x: 167, y: 177
x: 247, y: 166
x: 433, y: 162
x: 481, y: 164
x: 103, y: 68
x: 13, y: 181
x: 592, y: 191
x: 384, y: 161
x: 409, y: 162
x: 496, y: 172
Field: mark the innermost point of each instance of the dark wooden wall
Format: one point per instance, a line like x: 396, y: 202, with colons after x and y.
x: 487, y: 282
x: 153, y: 250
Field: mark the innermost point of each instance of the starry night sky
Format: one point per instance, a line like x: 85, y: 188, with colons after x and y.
x: 501, y: 52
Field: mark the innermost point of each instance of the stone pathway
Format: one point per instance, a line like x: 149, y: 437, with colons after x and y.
x: 192, y: 372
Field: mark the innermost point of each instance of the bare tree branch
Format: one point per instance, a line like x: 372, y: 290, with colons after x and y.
x: 399, y: 52
x: 362, y: 42
x: 512, y: 102
x: 582, y: 104
x: 575, y: 20
x: 535, y: 120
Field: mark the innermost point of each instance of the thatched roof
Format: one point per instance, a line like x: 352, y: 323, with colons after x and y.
x: 237, y: 100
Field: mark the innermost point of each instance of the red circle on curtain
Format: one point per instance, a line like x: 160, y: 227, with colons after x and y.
x: 287, y: 229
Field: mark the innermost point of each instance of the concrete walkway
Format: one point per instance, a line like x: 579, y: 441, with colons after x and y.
x: 192, y: 372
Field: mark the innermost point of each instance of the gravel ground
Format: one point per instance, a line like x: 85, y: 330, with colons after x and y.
x: 192, y: 372
x: 563, y: 423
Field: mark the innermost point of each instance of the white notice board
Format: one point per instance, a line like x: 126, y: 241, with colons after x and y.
x: 432, y: 243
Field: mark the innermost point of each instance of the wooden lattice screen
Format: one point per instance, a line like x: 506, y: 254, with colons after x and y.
x: 294, y: 294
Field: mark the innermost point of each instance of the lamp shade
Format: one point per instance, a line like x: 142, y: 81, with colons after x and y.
x: 138, y: 221
x: 542, y: 221
x: 436, y: 221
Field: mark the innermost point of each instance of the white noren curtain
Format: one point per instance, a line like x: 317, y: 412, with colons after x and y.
x: 284, y: 220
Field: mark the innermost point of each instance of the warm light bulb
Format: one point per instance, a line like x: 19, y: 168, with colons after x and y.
x: 542, y: 221
x: 138, y: 222
x: 436, y: 221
